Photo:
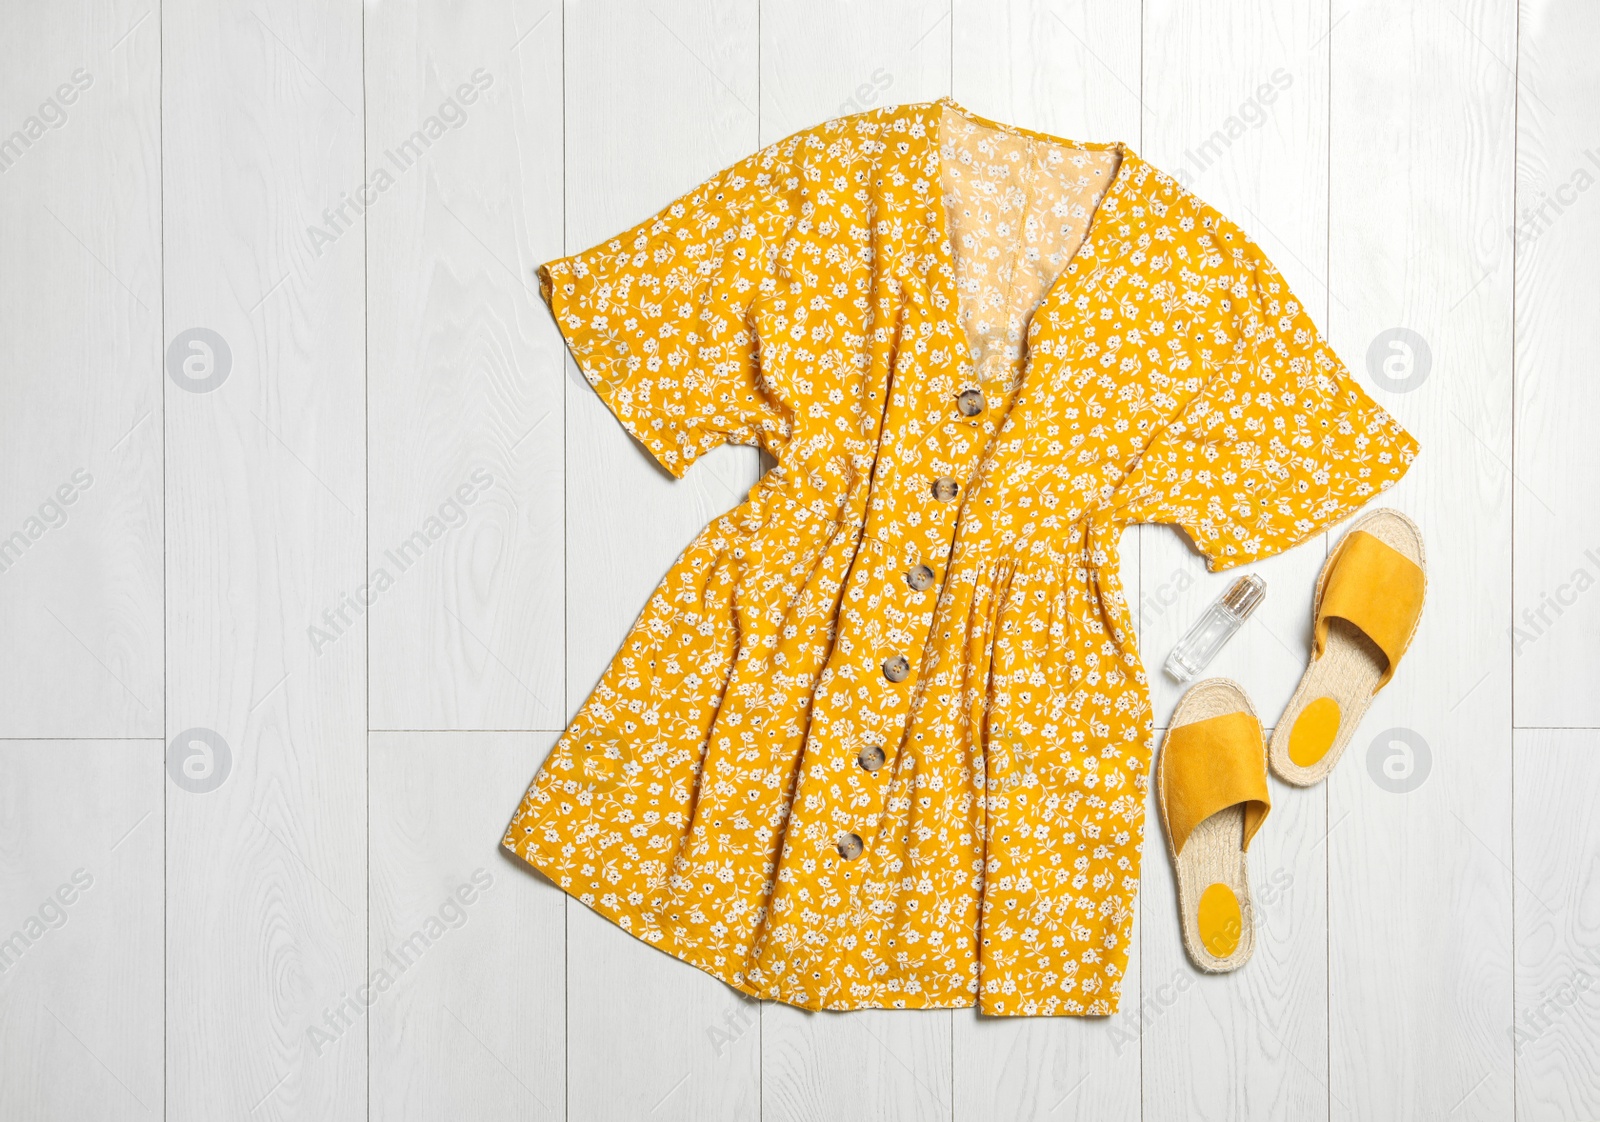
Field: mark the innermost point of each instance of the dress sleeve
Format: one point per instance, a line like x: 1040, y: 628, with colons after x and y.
x: 659, y: 317
x: 1277, y: 442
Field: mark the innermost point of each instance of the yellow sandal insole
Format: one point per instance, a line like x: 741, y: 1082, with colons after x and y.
x: 1221, y: 921
x: 1314, y: 732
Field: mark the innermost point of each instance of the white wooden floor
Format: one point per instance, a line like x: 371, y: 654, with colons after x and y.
x: 251, y: 343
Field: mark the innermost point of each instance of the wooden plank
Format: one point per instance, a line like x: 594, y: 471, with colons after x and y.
x: 657, y: 101
x: 81, y: 929
x: 1236, y: 100
x: 835, y: 58
x: 463, y: 144
x: 81, y: 352
x: 879, y: 1063
x: 1556, y: 617
x: 1419, y: 887
x: 474, y: 1023
x: 1557, y: 780
x: 265, y: 533
x: 1070, y: 71
x: 1557, y: 864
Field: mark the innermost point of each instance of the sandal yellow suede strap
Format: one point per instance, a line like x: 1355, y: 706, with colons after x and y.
x: 1378, y: 589
x: 1209, y: 766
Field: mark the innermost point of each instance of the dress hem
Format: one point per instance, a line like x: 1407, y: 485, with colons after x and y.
x: 535, y: 858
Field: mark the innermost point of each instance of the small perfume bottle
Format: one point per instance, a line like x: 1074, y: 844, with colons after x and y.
x: 1196, y: 649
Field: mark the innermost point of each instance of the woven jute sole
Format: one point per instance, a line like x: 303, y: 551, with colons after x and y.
x: 1351, y: 664
x: 1215, y: 850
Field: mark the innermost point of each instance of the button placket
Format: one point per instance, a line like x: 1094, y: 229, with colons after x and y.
x: 919, y: 577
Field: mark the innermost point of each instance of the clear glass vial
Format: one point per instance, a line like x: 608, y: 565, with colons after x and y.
x: 1215, y: 627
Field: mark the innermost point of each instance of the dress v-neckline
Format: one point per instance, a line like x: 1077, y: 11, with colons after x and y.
x: 1066, y: 281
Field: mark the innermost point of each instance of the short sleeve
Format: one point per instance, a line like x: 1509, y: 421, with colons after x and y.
x: 1278, y: 442
x: 658, y: 317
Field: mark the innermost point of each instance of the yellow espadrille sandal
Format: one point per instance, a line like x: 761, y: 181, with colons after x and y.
x: 1368, y: 602
x: 1211, y: 784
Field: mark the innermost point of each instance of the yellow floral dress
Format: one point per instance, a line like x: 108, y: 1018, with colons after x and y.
x: 881, y: 736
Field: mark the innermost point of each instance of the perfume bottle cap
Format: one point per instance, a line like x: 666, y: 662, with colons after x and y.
x: 1247, y: 592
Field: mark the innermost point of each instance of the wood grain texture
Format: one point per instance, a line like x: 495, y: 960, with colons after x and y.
x: 266, y: 916
x: 1236, y: 103
x: 1072, y: 71
x: 1419, y: 846
x: 1556, y: 616
x: 837, y: 57
x: 1428, y: 943
x: 473, y: 1026
x: 80, y: 370
x: 657, y: 101
x: 1557, y: 1011
x: 465, y: 407
x: 80, y: 929
x: 888, y: 1064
